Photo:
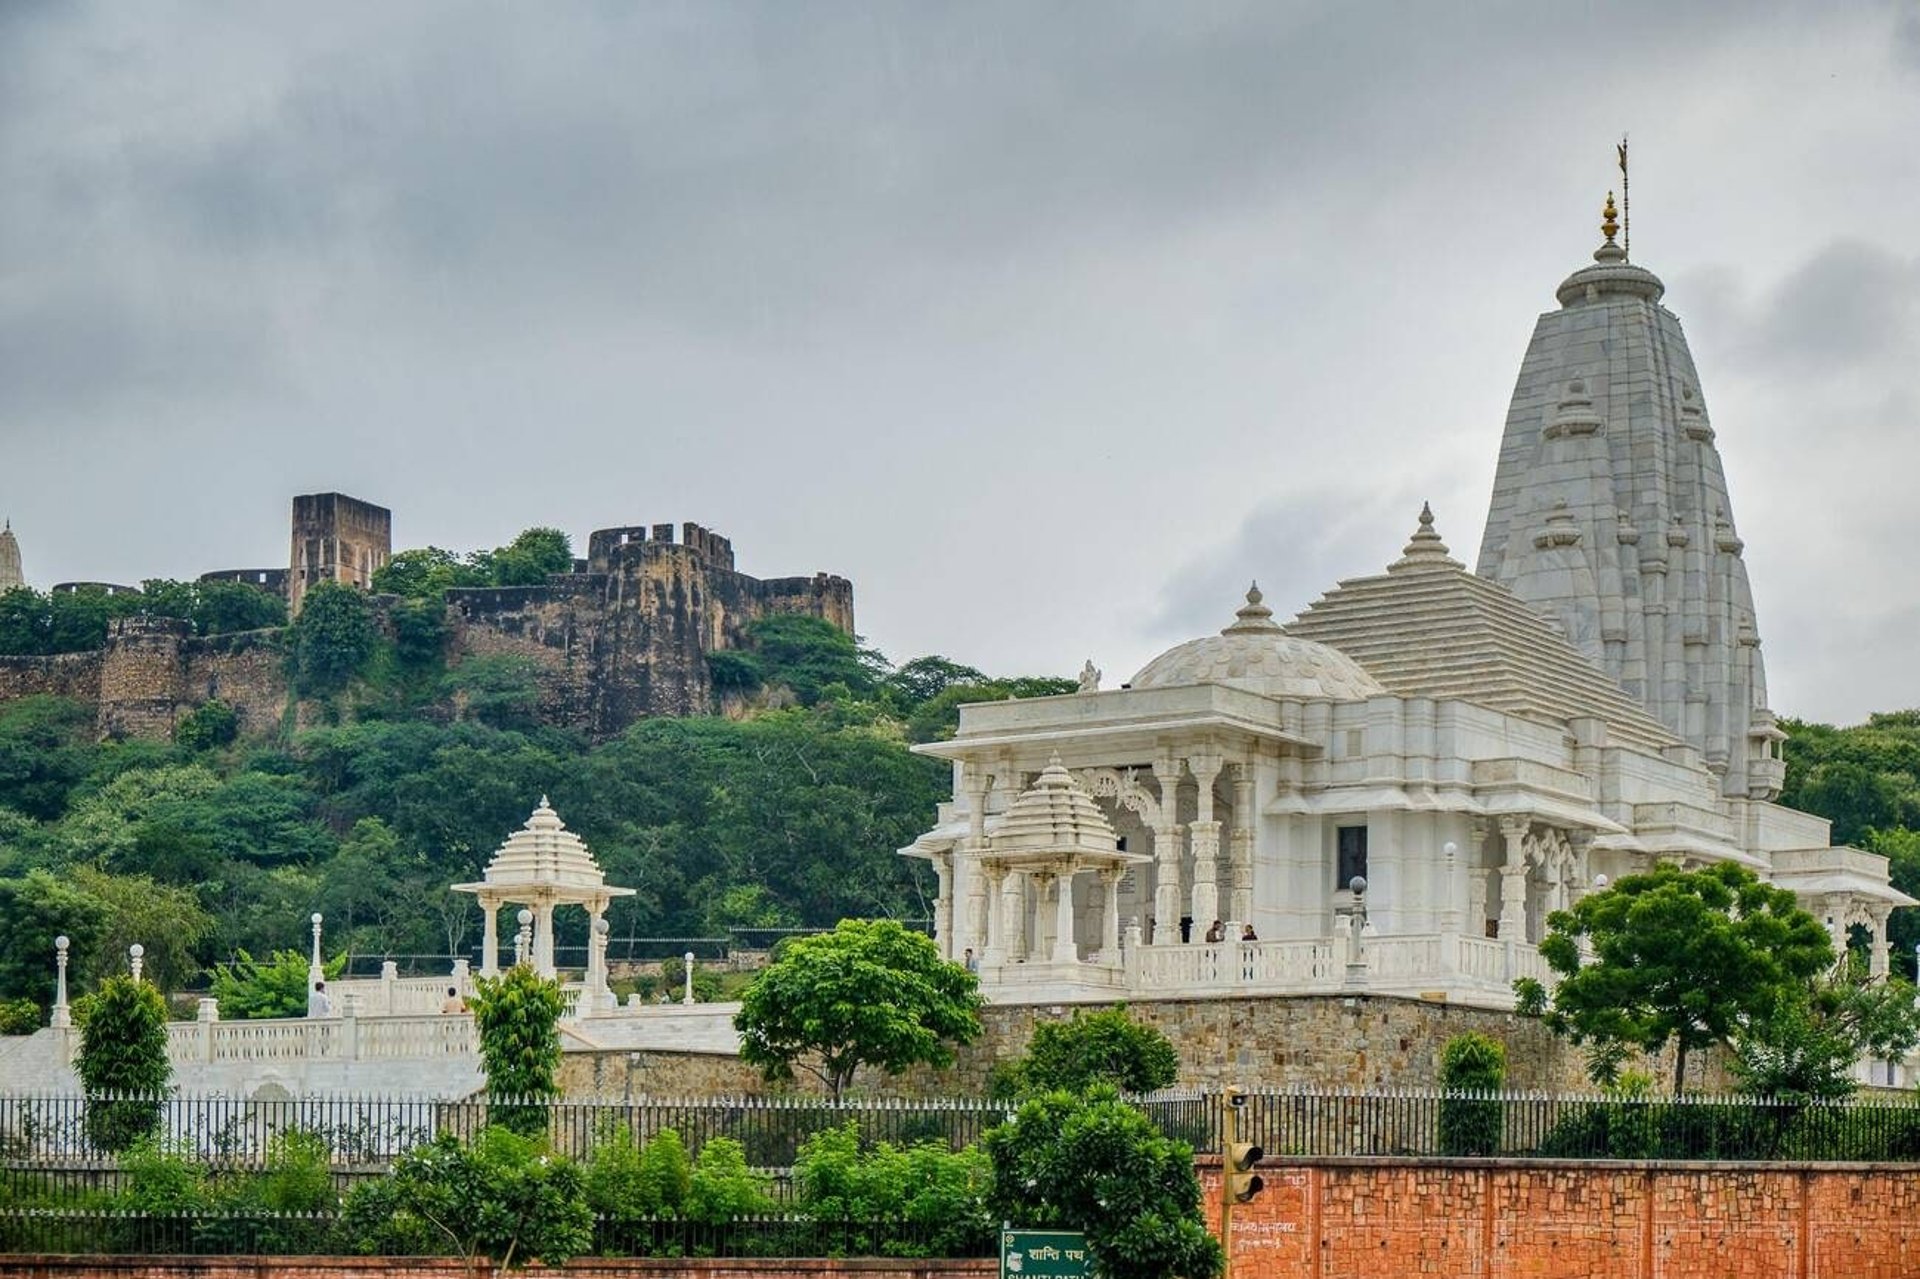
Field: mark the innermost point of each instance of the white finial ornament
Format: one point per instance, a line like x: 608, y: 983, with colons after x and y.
x: 136, y: 958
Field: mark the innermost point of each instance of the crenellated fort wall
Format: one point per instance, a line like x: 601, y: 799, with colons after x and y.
x: 622, y: 637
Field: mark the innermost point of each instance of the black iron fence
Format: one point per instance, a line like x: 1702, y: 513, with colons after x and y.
x: 67, y: 1134
x: 94, y: 1231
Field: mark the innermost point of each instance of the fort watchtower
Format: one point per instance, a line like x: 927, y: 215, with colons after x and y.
x: 336, y: 538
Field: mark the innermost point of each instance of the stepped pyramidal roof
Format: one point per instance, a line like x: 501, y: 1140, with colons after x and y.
x: 1429, y: 628
x: 1610, y: 516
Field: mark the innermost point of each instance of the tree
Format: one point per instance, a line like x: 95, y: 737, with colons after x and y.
x: 1471, y: 1064
x: 1682, y: 957
x: 332, y: 638
x: 517, y: 1017
x: 1805, y: 1048
x: 530, y: 558
x: 925, y: 678
x: 163, y: 918
x: 807, y: 654
x: 207, y: 726
x: 867, y: 993
x: 1101, y: 1047
x: 1095, y: 1164
x: 37, y: 908
x: 122, y: 1063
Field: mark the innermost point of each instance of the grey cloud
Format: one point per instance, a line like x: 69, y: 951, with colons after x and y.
x: 1851, y: 303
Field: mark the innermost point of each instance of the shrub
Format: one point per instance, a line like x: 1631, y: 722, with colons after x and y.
x: 1101, y: 1047
x: 1471, y: 1064
x: 625, y: 1181
x: 517, y: 1017
x: 721, y: 1186
x: 209, y: 725
x: 19, y: 1017
x: 123, y: 1063
x: 940, y: 1195
x: 504, y: 1197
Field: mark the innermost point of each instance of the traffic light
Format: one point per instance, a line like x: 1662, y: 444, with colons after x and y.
x: 1240, y: 1181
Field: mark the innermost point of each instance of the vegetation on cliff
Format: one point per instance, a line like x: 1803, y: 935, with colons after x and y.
x: 788, y: 817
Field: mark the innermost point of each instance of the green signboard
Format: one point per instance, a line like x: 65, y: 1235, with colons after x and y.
x: 1048, y: 1254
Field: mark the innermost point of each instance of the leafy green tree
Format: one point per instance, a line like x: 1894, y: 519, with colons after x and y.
x: 1805, y: 1049
x: 38, y: 907
x: 332, y: 638
x: 501, y: 690
x: 1100, y: 1047
x: 1093, y: 1163
x: 427, y: 573
x: 420, y: 633
x: 530, y: 558
x: 925, y: 678
x: 122, y: 1062
x: 869, y: 993
x: 517, y: 1017
x: 1686, y: 958
x: 166, y: 920
x: 46, y: 750
x: 1471, y: 1124
x: 939, y: 716
x: 809, y: 653
x: 251, y: 988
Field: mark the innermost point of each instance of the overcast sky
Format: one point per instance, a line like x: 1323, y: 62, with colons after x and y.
x: 1047, y: 324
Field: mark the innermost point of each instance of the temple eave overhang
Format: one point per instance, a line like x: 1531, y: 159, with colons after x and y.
x: 1147, y: 734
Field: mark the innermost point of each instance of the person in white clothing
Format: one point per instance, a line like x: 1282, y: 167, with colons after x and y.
x: 318, y: 1004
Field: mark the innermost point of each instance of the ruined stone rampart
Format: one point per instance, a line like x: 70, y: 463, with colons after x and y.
x: 621, y: 638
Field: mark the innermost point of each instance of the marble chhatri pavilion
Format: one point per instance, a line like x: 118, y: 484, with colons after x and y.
x: 1476, y: 749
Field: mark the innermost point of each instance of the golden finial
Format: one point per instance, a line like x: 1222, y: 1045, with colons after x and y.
x: 1609, y: 220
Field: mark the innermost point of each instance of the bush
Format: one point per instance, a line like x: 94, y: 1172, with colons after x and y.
x: 19, y: 1017
x: 722, y: 1187
x: 626, y: 1182
x: 1102, y: 1047
x: 209, y: 725
x: 938, y: 1195
x: 504, y: 1197
x: 1471, y: 1064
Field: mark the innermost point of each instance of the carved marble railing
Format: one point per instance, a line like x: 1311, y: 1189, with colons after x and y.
x: 1457, y: 966
x: 321, y: 1039
x: 397, y: 997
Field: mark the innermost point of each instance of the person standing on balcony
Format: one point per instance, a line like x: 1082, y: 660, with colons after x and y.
x: 318, y: 1004
x: 453, y: 1003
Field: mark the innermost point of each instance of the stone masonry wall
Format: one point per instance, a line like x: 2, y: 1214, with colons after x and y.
x: 619, y: 1074
x: 1327, y: 1041
x: 75, y: 675
x: 1505, y: 1219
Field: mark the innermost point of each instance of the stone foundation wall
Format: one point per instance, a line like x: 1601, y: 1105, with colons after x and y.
x: 615, y: 1075
x: 1322, y: 1041
x: 1503, y: 1219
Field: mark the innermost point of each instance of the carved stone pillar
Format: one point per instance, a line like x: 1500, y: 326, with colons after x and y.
x: 1240, y: 845
x: 1013, y: 917
x: 1513, y: 880
x: 1110, y: 877
x: 1476, y: 880
x: 1167, y: 898
x: 1065, y: 951
x: 1582, y: 844
x: 1204, y: 837
x: 993, y: 951
x: 975, y: 782
x: 1877, y: 957
x: 943, y: 906
x: 489, y: 935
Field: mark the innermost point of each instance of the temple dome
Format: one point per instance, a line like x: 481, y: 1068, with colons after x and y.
x: 1256, y: 655
x: 10, y: 571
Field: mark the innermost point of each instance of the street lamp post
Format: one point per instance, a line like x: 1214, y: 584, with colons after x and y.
x: 62, y: 1014
x: 316, y: 972
x: 136, y: 957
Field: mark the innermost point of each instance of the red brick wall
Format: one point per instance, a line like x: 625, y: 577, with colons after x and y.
x: 446, y: 1268
x: 1501, y: 1219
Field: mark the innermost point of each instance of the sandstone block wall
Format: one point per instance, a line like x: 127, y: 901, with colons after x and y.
x: 616, y: 1075
x: 1502, y: 1219
x: 75, y: 675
